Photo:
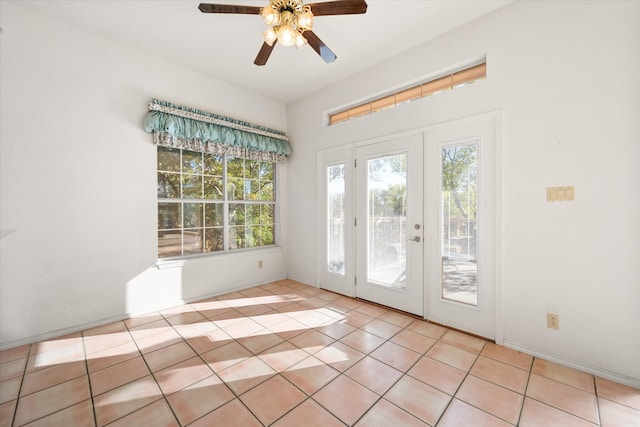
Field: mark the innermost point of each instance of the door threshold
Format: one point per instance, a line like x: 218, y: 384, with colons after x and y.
x: 397, y: 310
x: 461, y: 331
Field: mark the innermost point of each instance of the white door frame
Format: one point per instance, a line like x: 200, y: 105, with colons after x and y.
x: 347, y: 153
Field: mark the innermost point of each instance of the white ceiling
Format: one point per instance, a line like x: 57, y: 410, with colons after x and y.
x: 224, y: 46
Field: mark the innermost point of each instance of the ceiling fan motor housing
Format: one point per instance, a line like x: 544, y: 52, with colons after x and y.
x: 288, y: 5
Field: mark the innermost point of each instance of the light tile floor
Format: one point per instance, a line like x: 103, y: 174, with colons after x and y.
x: 286, y: 354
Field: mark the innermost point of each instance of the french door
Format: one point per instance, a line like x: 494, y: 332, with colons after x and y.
x: 413, y: 225
x: 460, y: 249
x: 389, y: 223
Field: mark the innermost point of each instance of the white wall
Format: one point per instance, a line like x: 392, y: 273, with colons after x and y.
x: 77, y: 175
x: 78, y: 180
x: 567, y: 76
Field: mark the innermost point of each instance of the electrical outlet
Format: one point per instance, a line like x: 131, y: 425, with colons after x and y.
x: 260, y: 264
x: 553, y: 321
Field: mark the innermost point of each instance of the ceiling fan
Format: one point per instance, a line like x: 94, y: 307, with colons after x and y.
x: 291, y: 22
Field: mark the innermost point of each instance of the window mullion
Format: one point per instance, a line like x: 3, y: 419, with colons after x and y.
x: 181, y: 206
x: 225, y: 202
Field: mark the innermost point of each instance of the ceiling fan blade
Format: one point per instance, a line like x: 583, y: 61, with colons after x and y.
x: 340, y: 7
x: 263, y: 55
x: 228, y: 8
x: 319, y: 46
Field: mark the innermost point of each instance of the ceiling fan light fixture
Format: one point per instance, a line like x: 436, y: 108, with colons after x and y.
x: 287, y: 20
x: 270, y: 36
x: 305, y: 19
x: 287, y: 35
x: 300, y: 41
x: 271, y: 16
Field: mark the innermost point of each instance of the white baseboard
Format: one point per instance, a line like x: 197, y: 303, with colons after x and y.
x: 83, y: 327
x: 60, y: 332
x: 304, y: 282
x: 228, y: 291
x: 613, y: 376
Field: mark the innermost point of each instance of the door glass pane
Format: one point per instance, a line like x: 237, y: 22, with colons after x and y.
x: 387, y: 219
x: 336, y: 217
x: 459, y: 207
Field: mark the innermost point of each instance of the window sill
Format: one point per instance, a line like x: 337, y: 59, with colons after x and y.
x: 178, y: 262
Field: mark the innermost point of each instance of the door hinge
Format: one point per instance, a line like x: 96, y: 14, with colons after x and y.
x: 355, y: 163
x: 355, y: 222
x: 355, y: 280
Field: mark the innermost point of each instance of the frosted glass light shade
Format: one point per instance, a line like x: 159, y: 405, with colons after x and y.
x: 305, y: 20
x: 270, y: 36
x: 270, y: 15
x: 287, y: 36
x: 300, y: 41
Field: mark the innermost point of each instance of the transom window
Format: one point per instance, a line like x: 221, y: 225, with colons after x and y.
x: 423, y: 89
x: 213, y: 203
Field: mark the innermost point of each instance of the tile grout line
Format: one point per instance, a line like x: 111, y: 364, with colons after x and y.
x: 288, y: 314
x: 341, y: 373
x: 144, y: 360
x: 406, y: 373
x: 308, y: 397
x: 453, y: 396
x: 235, y: 340
x: 24, y: 374
x: 49, y: 387
x: 164, y: 397
x: 468, y: 373
x: 526, y: 387
x: 233, y: 393
x: 555, y: 407
x: 595, y: 392
x: 280, y: 373
x: 523, y: 394
x: 381, y: 396
x: 199, y: 355
x: 86, y: 365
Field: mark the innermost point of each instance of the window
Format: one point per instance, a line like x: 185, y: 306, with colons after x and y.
x: 336, y: 216
x: 459, y: 213
x: 212, y: 203
x: 421, y: 90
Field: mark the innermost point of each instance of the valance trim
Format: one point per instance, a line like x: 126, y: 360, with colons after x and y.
x: 203, y: 116
x: 166, y: 140
x: 188, y: 124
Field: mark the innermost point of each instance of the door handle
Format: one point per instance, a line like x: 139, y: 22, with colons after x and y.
x: 415, y: 239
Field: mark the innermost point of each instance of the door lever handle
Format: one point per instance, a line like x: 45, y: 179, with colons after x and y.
x: 415, y: 239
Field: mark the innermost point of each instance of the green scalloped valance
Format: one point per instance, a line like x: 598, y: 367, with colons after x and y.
x: 192, y: 129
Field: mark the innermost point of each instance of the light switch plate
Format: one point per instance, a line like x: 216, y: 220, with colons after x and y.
x: 561, y: 194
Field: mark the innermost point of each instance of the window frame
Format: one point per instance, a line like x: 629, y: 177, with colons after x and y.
x: 225, y: 201
x: 422, y: 89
